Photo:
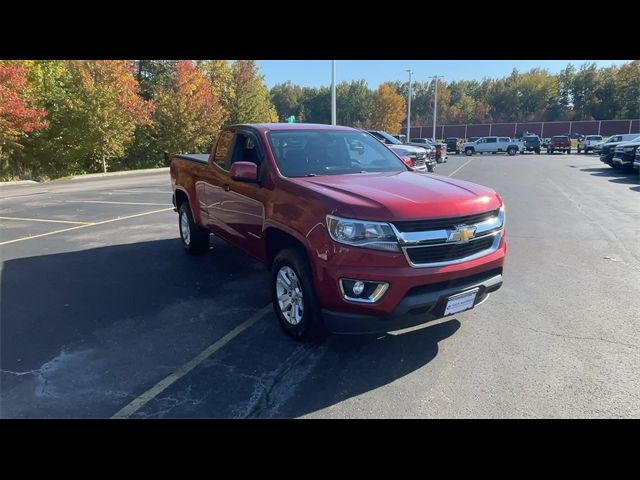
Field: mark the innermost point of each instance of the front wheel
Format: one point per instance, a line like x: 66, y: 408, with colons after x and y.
x: 568, y: 151
x: 580, y: 151
x: 195, y: 239
x: 293, y: 296
x: 468, y: 152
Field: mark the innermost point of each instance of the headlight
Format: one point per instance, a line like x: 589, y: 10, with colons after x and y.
x: 360, y: 233
x: 629, y: 149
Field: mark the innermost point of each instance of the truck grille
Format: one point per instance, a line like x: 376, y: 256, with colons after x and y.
x: 443, y: 223
x: 445, y: 253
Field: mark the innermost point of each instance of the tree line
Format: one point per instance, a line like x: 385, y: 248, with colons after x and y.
x: 60, y: 118
x: 67, y: 117
x: 584, y: 93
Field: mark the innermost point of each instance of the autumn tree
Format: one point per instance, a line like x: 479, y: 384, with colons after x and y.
x: 101, y: 110
x: 188, y: 115
x: 388, y: 109
x: 220, y: 76
x: 18, y: 117
x: 249, y: 102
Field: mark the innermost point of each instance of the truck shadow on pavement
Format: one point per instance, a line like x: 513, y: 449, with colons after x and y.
x: 83, y: 330
x: 625, y: 177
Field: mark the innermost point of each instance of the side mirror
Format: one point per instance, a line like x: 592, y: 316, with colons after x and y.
x: 244, y: 172
x: 407, y: 161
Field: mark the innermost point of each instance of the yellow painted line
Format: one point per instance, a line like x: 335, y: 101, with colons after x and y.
x: 162, y: 385
x: 93, y: 224
x: 117, y: 203
x: 460, y: 168
x: 42, y: 220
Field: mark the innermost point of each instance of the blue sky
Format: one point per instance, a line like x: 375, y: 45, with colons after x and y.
x: 314, y: 73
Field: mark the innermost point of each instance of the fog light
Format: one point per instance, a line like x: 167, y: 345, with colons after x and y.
x: 362, y: 290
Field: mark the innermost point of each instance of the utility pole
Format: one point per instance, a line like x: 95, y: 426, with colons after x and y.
x: 435, y: 104
x: 409, y: 109
x: 333, y: 92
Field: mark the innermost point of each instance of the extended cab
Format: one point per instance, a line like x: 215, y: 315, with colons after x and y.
x: 357, y: 242
x: 493, y: 145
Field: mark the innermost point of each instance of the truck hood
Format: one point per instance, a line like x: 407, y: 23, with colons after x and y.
x: 401, y: 195
x: 402, y: 149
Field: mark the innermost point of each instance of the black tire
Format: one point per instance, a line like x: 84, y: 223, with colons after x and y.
x: 550, y: 151
x: 511, y: 151
x: 468, y: 152
x: 197, y: 239
x: 538, y: 151
x: 580, y: 151
x: 568, y: 151
x: 457, y: 152
x: 430, y: 168
x: 310, y: 327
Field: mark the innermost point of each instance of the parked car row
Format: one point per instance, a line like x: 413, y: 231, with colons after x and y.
x: 620, y: 151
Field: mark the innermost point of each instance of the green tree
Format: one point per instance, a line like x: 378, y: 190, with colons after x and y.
x: 287, y: 100
x: 354, y: 102
x: 250, y: 99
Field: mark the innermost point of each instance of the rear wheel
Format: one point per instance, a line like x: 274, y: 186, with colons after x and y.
x: 293, y: 296
x: 568, y: 151
x: 579, y: 151
x: 550, y: 151
x: 538, y: 151
x: 511, y: 151
x: 195, y: 239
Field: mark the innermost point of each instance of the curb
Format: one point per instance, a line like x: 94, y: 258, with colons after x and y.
x: 115, y: 174
x: 19, y: 182
x: 88, y: 175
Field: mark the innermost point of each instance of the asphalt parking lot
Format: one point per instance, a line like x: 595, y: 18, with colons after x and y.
x: 103, y: 314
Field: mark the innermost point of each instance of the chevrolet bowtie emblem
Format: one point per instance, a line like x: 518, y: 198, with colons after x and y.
x: 462, y: 233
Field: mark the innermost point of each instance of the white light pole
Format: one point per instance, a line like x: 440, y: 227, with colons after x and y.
x: 333, y: 92
x: 435, y: 104
x: 409, y: 109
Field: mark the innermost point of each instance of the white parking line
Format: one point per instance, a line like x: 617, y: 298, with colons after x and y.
x: 117, y: 203
x: 166, y: 192
x: 162, y: 385
x: 460, y: 168
x: 24, y: 219
x: 93, y: 224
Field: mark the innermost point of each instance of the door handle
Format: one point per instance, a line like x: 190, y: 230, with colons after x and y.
x: 226, y: 187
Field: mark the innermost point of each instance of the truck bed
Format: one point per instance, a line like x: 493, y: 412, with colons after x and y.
x: 194, y: 157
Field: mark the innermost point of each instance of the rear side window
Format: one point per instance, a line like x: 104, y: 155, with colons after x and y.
x: 222, y: 149
x: 491, y: 140
x: 531, y: 138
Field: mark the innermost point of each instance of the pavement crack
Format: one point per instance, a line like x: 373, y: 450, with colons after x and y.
x: 274, y: 388
x: 575, y: 337
x: 20, y: 374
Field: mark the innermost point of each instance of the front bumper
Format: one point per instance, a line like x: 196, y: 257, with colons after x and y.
x: 420, y: 305
x: 636, y: 164
x: 606, y: 158
x: 626, y: 160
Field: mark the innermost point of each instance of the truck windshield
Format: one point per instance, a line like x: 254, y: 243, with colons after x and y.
x: 315, y: 152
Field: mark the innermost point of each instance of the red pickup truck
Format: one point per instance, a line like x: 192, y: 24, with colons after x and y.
x: 559, y: 143
x: 356, y: 241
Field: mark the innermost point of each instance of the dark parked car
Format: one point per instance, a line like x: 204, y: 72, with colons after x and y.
x: 636, y: 163
x: 608, y: 148
x: 439, y: 149
x: 625, y: 154
x: 559, y: 143
x: 453, y: 144
x: 531, y: 143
